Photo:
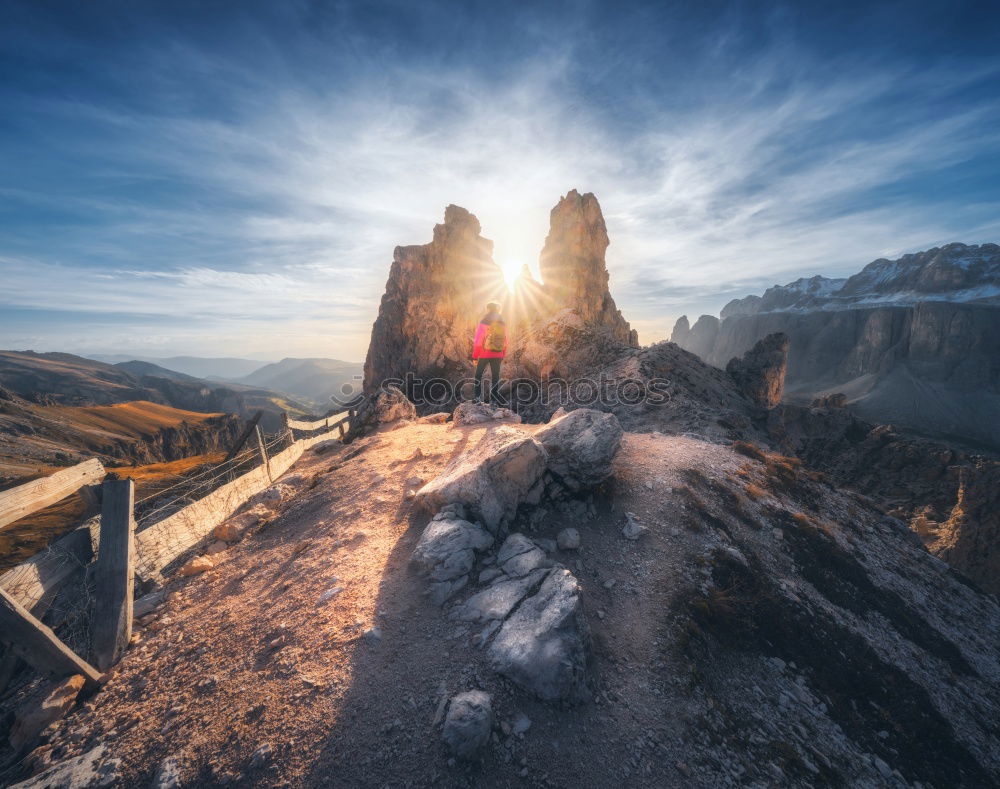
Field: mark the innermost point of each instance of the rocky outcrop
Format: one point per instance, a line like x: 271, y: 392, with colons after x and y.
x: 581, y: 446
x: 437, y: 292
x: 543, y: 646
x: 911, y: 341
x: 760, y: 374
x: 573, y: 268
x: 94, y: 769
x: 492, y: 479
x: 446, y: 552
x: 435, y: 296
x: 950, y: 497
x: 700, y: 339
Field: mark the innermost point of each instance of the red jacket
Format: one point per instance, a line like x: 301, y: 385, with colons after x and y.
x: 478, y: 351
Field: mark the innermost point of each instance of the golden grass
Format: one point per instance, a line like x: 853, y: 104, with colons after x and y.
x: 137, y: 418
x: 755, y: 492
x: 156, y: 476
x: 26, y: 537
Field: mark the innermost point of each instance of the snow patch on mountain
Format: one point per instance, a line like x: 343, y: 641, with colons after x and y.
x: 954, y: 273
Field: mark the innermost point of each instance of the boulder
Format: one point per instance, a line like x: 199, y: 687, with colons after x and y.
x: 544, y: 645
x: 90, y: 770
x: 633, y: 530
x: 497, y: 601
x: 196, y: 566
x: 389, y: 405
x: 471, y: 413
x: 236, y: 527
x: 581, y: 446
x: 491, y: 479
x: 760, y: 374
x: 47, y: 705
x: 568, y: 539
x: 446, y: 554
x: 469, y: 723
x: 518, y: 556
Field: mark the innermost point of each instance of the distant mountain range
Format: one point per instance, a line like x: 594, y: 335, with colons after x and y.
x: 311, y: 381
x: 228, y: 368
x: 913, y: 341
x: 955, y: 273
x: 314, y: 380
x: 65, y: 379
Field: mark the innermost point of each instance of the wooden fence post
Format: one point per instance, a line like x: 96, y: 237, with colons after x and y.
x: 38, y: 645
x: 251, y: 426
x: 263, y: 453
x: 114, y: 574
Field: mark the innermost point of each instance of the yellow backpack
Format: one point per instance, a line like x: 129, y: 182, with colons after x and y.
x: 496, y: 336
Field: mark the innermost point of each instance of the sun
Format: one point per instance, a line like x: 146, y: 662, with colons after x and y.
x: 512, y: 273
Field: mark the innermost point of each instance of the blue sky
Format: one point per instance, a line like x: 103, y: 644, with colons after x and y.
x: 230, y: 178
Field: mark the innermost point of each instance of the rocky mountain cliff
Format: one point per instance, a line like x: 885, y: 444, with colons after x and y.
x: 437, y: 292
x: 948, y: 496
x: 34, y: 436
x: 914, y: 341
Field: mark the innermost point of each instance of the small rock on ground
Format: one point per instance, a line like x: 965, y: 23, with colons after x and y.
x: 468, y: 724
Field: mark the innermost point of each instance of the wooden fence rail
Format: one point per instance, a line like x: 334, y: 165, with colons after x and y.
x: 326, y: 422
x: 30, y: 497
x: 123, y: 556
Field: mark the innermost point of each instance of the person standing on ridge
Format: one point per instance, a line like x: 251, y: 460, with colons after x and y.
x: 489, y: 348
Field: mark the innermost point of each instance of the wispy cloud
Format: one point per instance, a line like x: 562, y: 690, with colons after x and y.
x: 269, y: 218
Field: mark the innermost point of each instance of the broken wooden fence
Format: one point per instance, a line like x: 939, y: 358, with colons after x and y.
x: 124, y: 555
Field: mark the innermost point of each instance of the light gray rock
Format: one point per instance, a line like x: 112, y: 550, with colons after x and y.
x: 440, y: 591
x: 632, y: 530
x: 568, y: 539
x: 518, y: 556
x: 90, y: 770
x: 447, y: 548
x: 524, y: 563
x: 168, y: 774
x: 581, y: 446
x: 491, y: 479
x: 499, y: 600
x: 544, y: 644
x: 514, y: 545
x: 471, y: 413
x: 468, y: 724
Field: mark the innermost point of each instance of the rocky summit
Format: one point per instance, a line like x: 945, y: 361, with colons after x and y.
x: 437, y: 292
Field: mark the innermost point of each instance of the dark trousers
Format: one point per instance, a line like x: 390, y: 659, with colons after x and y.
x: 494, y: 375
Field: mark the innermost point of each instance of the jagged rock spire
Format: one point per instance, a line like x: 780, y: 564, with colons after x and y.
x: 573, y: 267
